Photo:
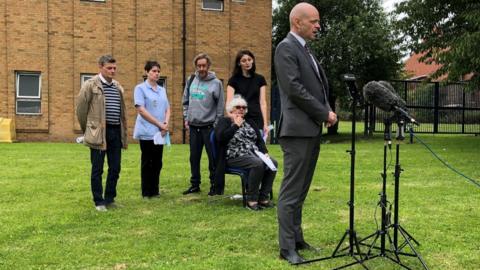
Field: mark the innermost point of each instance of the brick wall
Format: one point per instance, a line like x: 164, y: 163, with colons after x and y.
x: 62, y: 39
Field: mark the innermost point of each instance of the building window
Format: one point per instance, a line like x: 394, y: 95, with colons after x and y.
x: 28, y: 93
x: 85, y: 77
x: 212, y: 5
x: 239, y: 1
x: 162, y: 81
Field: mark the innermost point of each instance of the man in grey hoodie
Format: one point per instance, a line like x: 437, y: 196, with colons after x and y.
x: 202, y: 105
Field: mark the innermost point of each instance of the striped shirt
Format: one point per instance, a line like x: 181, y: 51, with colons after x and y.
x: 112, y: 103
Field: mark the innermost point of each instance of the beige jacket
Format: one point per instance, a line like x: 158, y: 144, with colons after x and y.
x: 91, y: 114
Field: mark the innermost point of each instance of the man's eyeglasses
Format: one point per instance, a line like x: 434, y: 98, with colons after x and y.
x: 240, y: 107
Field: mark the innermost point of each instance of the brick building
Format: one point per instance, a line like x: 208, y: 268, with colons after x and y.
x: 47, y: 47
x: 417, y: 70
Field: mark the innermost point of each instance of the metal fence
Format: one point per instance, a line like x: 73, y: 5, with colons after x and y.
x: 439, y: 107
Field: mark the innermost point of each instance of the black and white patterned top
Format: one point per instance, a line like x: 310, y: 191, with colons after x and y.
x: 243, y: 142
x: 113, y: 107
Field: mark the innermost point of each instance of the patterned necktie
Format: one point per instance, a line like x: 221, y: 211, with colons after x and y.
x: 307, y: 49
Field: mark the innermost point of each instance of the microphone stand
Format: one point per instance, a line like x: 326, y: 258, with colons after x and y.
x: 385, y: 217
x: 396, y: 225
x: 395, y: 248
x: 353, y: 248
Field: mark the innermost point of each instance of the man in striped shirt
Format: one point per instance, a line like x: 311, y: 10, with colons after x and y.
x: 101, y: 114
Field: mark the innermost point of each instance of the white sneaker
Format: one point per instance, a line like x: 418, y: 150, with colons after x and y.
x: 101, y: 208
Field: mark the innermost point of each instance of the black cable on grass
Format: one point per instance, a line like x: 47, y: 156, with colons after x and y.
x: 473, y: 181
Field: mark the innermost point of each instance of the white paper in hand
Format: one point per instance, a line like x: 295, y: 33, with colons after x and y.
x: 265, y: 136
x: 266, y: 160
x: 158, y: 138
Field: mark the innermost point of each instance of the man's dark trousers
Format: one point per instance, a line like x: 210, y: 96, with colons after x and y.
x: 300, y: 158
x: 199, y: 137
x: 97, y: 158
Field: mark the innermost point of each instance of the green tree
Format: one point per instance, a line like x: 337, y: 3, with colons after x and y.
x: 447, y: 31
x: 356, y: 37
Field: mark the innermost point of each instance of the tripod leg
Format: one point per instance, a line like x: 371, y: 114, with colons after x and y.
x: 399, y: 263
x: 357, y: 245
x: 409, y: 235
x: 369, y: 236
x: 402, y: 232
x: 339, y: 244
x: 392, y: 245
x: 357, y: 261
x: 373, y: 244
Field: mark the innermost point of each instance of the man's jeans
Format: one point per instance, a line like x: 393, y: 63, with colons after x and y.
x: 114, y: 156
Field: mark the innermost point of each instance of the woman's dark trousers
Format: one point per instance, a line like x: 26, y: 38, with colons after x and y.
x: 150, y: 167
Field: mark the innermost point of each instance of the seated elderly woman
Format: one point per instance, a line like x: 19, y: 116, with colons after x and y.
x: 237, y: 142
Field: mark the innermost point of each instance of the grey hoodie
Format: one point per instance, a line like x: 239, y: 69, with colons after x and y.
x: 203, y: 104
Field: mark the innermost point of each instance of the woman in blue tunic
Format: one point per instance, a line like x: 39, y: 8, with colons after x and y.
x: 153, y: 115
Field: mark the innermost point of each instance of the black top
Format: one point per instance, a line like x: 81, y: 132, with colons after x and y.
x: 249, y: 89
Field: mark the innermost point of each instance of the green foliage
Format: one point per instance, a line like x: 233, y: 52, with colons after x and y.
x: 356, y: 37
x: 447, y: 31
x: 48, y: 221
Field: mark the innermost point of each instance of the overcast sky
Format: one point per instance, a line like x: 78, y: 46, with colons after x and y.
x: 387, y: 4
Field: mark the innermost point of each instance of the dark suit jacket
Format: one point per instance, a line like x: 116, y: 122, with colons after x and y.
x: 303, y: 91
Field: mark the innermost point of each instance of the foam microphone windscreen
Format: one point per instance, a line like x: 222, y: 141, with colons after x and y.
x: 400, y: 102
x: 378, y: 95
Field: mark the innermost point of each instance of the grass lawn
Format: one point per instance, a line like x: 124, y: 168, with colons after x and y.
x: 48, y: 221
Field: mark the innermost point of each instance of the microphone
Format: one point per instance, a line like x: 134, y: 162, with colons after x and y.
x: 378, y: 95
x: 349, y: 80
x: 405, y: 113
x: 381, y: 95
x: 387, y: 85
x: 348, y: 77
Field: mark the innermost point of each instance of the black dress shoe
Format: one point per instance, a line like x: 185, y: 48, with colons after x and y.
x: 291, y: 256
x: 191, y: 189
x: 305, y: 246
x: 253, y: 207
x: 212, y: 191
x: 268, y: 204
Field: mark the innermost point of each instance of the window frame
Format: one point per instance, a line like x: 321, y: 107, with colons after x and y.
x: 164, y: 80
x: 19, y: 73
x: 83, y: 75
x: 18, y: 97
x: 214, y: 9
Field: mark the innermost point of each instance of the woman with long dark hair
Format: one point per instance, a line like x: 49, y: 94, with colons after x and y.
x: 251, y: 86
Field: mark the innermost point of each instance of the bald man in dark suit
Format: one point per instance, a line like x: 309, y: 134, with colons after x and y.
x: 304, y: 99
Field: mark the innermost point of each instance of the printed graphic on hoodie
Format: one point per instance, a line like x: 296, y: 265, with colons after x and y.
x: 198, y: 92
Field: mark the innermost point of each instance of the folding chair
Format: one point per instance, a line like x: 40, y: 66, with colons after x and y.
x: 243, y: 173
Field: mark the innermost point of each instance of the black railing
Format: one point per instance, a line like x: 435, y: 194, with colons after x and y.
x: 439, y: 107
